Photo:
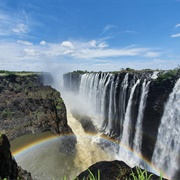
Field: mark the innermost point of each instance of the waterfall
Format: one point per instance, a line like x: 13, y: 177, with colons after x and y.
x: 138, y: 134
x: 166, y: 154
x: 127, y: 123
x: 130, y: 110
x: 122, y: 101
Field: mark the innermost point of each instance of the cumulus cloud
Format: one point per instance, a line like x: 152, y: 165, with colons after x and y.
x: 175, y: 35
x: 67, y: 44
x: 92, y: 43
x: 42, y: 42
x: 95, y: 44
x: 21, y: 28
x: 31, y: 52
x: 25, y: 42
x: 79, y: 54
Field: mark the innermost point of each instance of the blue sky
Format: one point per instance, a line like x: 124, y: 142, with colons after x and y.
x: 93, y: 35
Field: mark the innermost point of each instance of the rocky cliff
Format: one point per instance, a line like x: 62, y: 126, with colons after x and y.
x: 138, y: 109
x: 27, y: 106
x: 8, y: 166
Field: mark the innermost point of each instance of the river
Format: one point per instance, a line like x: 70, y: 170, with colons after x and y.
x: 39, y: 154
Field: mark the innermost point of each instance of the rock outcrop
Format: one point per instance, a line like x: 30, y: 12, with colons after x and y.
x: 27, y: 106
x: 113, y: 170
x: 8, y: 166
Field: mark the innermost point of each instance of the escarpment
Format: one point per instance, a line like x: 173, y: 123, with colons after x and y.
x: 28, y: 106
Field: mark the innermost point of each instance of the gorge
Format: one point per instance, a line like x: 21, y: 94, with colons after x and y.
x: 138, y: 110
x: 131, y: 116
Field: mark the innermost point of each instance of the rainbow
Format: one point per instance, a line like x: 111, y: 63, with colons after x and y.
x: 51, y: 137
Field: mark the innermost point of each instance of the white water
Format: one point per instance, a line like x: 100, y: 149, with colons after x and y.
x: 113, y: 105
x: 155, y: 75
x: 122, y: 99
x: 127, y: 120
x: 138, y: 134
x: 88, y: 152
x: 123, y: 154
x: 166, y: 154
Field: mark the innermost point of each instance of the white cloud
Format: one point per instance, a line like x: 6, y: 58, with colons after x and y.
x: 42, y: 42
x: 103, y: 45
x: 92, y: 43
x: 107, y: 27
x: 25, y: 42
x: 104, y: 53
x: 21, y: 28
x: 67, y: 44
x: 176, y: 35
x: 82, y: 55
x: 177, y: 25
x: 152, y: 54
x: 31, y: 52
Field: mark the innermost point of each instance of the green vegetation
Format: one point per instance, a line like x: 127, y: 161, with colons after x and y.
x: 141, y: 174
x: 138, y: 175
x: 21, y: 73
x: 79, y: 72
x: 168, y: 75
x: 91, y: 176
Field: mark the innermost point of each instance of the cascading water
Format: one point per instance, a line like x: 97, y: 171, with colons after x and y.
x: 129, y: 107
x: 138, y: 135
x: 167, y: 150
x: 122, y: 101
x: 127, y: 122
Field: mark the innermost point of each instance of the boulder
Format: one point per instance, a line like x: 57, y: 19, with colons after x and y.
x: 8, y: 166
x: 113, y: 170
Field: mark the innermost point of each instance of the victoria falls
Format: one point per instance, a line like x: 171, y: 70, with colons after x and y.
x: 89, y: 90
x: 130, y: 116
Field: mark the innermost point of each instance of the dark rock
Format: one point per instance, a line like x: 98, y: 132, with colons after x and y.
x: 86, y: 121
x: 112, y: 170
x: 8, y: 166
x: 68, y: 144
x: 27, y: 106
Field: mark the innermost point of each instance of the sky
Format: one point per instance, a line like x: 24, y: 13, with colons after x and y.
x: 92, y: 35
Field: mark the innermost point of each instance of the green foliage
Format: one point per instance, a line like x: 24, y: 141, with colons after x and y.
x: 168, y: 75
x: 6, y: 113
x: 92, y: 177
x: 79, y: 72
x: 141, y: 174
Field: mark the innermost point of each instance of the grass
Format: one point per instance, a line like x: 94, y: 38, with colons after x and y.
x: 139, y: 175
x: 142, y: 175
x: 92, y: 177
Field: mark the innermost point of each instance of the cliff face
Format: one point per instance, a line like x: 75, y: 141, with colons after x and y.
x: 27, y: 106
x: 8, y: 166
x: 131, y: 102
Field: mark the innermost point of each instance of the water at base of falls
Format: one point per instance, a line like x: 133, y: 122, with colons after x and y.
x: 44, y: 160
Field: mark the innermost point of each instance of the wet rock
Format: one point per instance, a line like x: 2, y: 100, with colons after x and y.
x: 8, y: 166
x: 112, y: 170
x: 68, y: 144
